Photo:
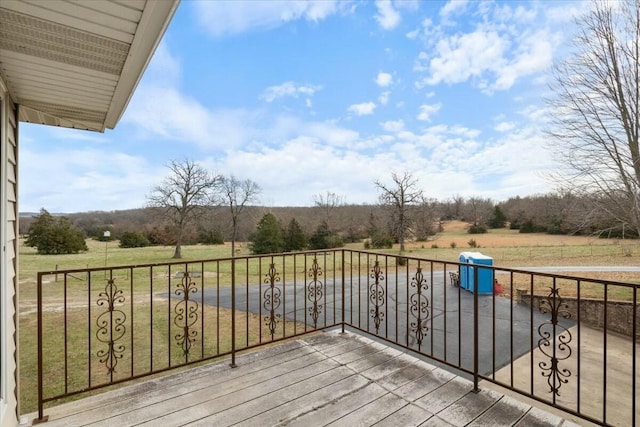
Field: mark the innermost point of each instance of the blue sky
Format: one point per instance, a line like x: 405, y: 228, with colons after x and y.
x: 309, y: 97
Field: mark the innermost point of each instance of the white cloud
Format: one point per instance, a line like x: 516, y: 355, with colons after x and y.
x: 504, y: 126
x: 289, y: 88
x: 82, y: 180
x: 505, y: 44
x: 460, y: 57
x: 392, y: 125
x: 412, y: 35
x: 387, y: 16
x: 384, y: 79
x: 427, y: 110
x: 453, y: 7
x: 535, y: 54
x: 384, y: 97
x: 220, y: 18
x: 362, y: 109
x: 184, y: 119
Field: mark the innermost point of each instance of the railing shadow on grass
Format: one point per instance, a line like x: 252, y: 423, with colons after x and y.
x: 122, y: 323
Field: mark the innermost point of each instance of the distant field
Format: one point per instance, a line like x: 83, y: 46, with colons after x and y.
x: 507, y: 247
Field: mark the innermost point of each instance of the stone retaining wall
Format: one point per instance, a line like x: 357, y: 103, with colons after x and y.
x: 619, y: 313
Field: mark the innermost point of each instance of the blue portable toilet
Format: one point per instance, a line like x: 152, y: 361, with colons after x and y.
x: 469, y: 261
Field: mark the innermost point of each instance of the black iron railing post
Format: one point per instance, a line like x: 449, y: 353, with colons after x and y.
x: 343, y: 297
x: 634, y: 335
x: 233, y: 312
x: 41, y: 417
x: 475, y: 331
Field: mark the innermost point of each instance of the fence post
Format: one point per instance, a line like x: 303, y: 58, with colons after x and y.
x: 343, y: 299
x: 475, y: 331
x: 41, y: 417
x: 233, y: 312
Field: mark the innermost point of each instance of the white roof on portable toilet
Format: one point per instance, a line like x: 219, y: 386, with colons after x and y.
x: 474, y: 255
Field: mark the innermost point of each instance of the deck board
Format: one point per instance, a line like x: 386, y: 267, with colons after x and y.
x: 323, y: 379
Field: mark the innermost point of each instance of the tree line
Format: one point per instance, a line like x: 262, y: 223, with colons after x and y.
x: 322, y: 226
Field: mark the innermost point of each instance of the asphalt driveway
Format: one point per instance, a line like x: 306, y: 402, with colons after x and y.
x: 506, y: 330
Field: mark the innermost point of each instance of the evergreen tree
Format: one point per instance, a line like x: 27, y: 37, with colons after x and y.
x: 498, y: 219
x: 324, y: 239
x: 131, y: 239
x: 294, y: 237
x: 268, y: 237
x: 55, y: 235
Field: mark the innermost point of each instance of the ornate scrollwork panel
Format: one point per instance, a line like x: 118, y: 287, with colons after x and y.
x: 111, y: 325
x: 554, y: 341
x: 186, y: 314
x: 271, y: 297
x: 419, y: 306
x: 376, y: 295
x: 315, y: 291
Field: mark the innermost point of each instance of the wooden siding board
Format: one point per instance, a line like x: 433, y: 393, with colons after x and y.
x: 11, y: 254
x: 9, y: 261
x: 11, y: 156
x: 11, y: 173
x: 11, y: 193
x: 11, y: 226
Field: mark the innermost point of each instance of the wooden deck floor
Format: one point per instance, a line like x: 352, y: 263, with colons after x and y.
x: 325, y: 379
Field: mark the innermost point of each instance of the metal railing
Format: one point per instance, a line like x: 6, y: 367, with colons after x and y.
x: 565, y: 341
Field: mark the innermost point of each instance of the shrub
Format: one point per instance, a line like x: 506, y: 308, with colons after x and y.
x: 131, y: 239
x: 473, y: 244
x: 324, y: 239
x: 402, y: 260
x: 434, y: 246
x: 453, y: 245
x: 381, y: 241
x: 210, y: 237
x: 477, y: 229
x: 529, y: 226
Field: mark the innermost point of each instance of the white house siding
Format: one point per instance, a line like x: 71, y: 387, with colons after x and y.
x: 8, y: 260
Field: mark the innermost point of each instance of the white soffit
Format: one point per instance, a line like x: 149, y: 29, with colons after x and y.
x: 76, y: 63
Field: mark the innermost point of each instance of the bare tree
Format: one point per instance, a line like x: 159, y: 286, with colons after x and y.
x: 237, y: 194
x: 328, y: 203
x: 182, y: 196
x: 596, y: 111
x: 399, y: 197
x: 478, y: 210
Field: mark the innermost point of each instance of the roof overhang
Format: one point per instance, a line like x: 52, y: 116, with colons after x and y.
x: 74, y: 63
